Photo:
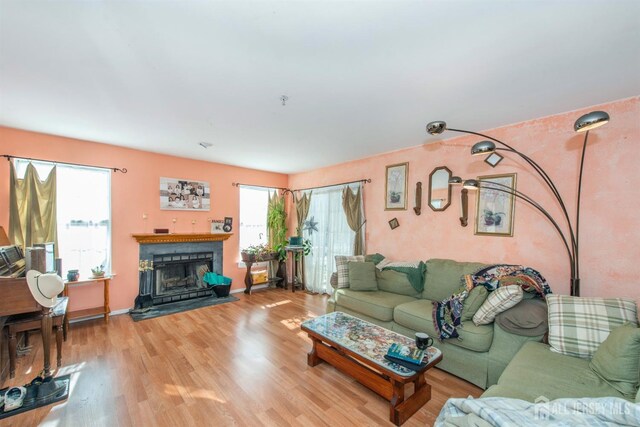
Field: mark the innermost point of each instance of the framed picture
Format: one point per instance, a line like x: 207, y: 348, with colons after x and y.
x: 493, y: 159
x: 395, y: 188
x: 495, y: 205
x: 184, y: 195
x: 394, y: 223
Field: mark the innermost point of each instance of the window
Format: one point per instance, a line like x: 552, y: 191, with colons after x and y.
x: 330, y: 235
x: 254, y: 202
x: 83, y: 210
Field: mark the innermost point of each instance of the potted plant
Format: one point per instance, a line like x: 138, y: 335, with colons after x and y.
x: 257, y: 253
x: 98, y: 271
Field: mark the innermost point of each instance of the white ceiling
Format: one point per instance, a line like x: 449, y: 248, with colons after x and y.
x: 362, y: 77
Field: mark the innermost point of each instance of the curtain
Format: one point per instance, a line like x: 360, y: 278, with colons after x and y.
x: 302, y: 210
x: 330, y: 235
x: 32, y: 208
x: 352, y: 205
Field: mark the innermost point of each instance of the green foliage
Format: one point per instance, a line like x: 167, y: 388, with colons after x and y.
x: 277, y: 226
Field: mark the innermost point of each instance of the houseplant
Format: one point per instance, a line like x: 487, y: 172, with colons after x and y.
x: 257, y: 253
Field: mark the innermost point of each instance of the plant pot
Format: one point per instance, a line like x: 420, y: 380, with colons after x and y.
x: 222, y: 291
x: 295, y: 241
x: 73, y: 275
x: 247, y: 257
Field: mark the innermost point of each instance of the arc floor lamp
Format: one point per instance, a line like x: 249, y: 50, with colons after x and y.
x: 571, y: 240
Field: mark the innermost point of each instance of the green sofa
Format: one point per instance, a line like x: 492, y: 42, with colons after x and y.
x: 482, y: 353
x: 536, y: 373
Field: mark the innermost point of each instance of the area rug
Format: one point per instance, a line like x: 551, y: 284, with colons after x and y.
x: 177, y: 307
x: 61, y: 395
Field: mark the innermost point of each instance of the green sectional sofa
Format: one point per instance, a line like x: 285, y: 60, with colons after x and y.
x: 536, y: 374
x: 482, y: 352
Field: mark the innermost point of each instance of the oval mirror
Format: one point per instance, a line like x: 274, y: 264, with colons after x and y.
x: 439, y: 188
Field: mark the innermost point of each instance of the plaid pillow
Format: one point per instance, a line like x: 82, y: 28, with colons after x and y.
x: 498, y: 301
x: 577, y: 326
x: 342, y: 267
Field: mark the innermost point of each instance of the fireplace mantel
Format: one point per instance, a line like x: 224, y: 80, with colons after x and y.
x: 145, y: 239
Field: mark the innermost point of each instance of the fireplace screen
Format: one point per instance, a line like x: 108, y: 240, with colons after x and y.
x: 180, y: 273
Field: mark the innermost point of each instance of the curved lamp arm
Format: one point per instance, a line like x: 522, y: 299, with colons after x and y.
x: 508, y: 190
x: 543, y: 174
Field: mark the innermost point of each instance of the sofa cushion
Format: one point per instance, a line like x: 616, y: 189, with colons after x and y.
x: 376, y: 304
x: 617, y: 360
x: 528, y: 318
x: 416, y: 315
x: 395, y: 282
x: 473, y: 302
x: 537, y: 371
x: 342, y: 268
x: 362, y: 276
x: 578, y: 325
x: 443, y: 277
x: 498, y: 301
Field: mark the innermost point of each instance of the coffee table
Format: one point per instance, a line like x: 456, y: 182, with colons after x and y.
x: 357, y: 348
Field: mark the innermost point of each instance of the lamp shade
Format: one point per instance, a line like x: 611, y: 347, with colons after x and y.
x: 483, y: 147
x: 455, y: 180
x: 471, y: 184
x: 590, y: 121
x: 437, y: 127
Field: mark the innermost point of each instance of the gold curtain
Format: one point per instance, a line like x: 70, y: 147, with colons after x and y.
x: 352, y: 205
x: 302, y: 210
x: 32, y: 208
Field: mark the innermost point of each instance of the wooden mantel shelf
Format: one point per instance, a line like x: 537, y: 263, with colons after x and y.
x: 146, y: 239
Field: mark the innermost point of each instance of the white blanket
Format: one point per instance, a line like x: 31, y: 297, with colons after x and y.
x: 503, y: 412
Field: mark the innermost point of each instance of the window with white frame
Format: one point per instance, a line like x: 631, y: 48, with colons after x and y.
x: 254, y: 202
x: 83, y: 210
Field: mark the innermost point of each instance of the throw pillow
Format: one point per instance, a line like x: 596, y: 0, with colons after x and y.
x: 342, y: 268
x: 578, y: 325
x: 473, y: 302
x: 498, y: 301
x: 362, y: 276
x: 528, y: 318
x: 617, y: 360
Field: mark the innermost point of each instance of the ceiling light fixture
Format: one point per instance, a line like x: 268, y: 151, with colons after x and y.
x: 205, y: 145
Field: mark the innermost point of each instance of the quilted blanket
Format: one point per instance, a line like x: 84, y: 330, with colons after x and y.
x: 447, y: 313
x: 503, y: 412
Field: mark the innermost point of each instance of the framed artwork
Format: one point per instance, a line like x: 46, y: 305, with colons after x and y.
x: 394, y: 223
x: 493, y: 159
x: 495, y: 205
x: 395, y: 187
x: 184, y: 195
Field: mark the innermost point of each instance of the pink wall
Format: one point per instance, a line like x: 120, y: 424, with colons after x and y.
x: 133, y: 194
x: 610, y: 226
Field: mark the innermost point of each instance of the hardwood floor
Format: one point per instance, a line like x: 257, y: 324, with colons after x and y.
x: 242, y: 363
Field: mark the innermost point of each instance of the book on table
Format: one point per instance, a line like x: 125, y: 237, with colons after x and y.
x: 406, y: 354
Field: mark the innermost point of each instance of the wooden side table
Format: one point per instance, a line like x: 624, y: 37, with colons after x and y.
x: 104, y: 310
x: 294, y: 251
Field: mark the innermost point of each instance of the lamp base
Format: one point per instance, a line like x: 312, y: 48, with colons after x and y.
x: 575, y: 286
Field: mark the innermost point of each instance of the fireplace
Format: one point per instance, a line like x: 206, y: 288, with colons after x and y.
x: 171, y: 267
x: 179, y: 276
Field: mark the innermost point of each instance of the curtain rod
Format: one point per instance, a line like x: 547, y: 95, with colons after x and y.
x: 237, y: 184
x: 364, y: 181
x: 9, y: 157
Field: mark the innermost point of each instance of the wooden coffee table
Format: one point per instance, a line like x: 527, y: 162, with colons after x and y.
x: 357, y: 349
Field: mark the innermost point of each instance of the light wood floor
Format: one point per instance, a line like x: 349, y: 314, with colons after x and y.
x: 242, y: 363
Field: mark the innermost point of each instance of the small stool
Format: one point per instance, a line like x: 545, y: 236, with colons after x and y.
x: 32, y: 321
